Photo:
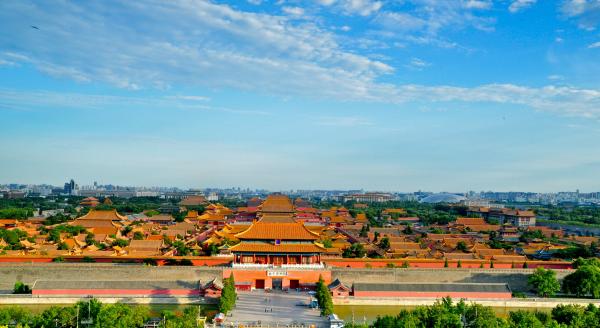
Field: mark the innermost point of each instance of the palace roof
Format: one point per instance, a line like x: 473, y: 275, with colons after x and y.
x: 471, y: 221
x: 284, y: 231
x: 193, y: 200
x: 483, y: 227
x: 277, y: 218
x: 145, y: 245
x: 90, y: 201
x: 277, y: 204
x: 282, y: 248
x: 108, y: 215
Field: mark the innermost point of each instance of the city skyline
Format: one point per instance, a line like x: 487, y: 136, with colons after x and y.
x: 95, y: 185
x: 379, y: 95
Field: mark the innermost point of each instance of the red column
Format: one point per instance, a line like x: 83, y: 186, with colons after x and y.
x: 254, y: 258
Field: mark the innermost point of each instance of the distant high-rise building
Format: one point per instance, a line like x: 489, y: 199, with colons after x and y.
x: 69, y: 187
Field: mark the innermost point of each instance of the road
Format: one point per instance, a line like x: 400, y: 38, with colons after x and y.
x: 275, y: 309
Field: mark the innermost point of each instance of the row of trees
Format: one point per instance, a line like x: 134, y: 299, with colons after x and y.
x: 101, y: 315
x: 584, y: 282
x: 579, y: 214
x: 448, y: 315
x: 15, y: 213
x: 95, y: 314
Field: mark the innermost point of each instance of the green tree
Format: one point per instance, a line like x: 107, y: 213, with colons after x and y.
x: 120, y: 242
x: 524, y: 319
x: 88, y: 309
x: 323, y: 297
x: 15, y: 315
x: 138, y: 235
x: 357, y: 250
x: 363, y: 231
x: 89, y: 238
x: 385, y: 243
x: 544, y: 282
x: 228, y: 295
x: 584, y: 281
x: 461, y: 246
x: 56, y: 316
x: 121, y: 316
x: 479, y: 316
x: 182, y: 249
x: 570, y: 315
x: 21, y: 288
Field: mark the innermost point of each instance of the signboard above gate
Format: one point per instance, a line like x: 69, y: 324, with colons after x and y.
x: 276, y: 273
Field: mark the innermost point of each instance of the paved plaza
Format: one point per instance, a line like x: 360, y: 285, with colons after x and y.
x: 275, y: 309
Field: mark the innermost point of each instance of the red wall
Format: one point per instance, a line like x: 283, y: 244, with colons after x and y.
x: 334, y: 262
x: 434, y: 263
x: 304, y: 277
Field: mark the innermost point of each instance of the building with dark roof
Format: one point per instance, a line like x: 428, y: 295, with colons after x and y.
x: 117, y: 288
x: 432, y: 290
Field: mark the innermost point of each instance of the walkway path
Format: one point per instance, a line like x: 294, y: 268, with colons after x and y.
x: 275, y: 309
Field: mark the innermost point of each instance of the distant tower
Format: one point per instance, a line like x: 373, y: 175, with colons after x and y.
x: 69, y: 187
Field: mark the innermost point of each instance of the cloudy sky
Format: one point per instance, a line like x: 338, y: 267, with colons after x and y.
x: 440, y: 95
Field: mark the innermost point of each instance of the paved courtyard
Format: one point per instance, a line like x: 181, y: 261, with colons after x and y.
x: 275, y: 309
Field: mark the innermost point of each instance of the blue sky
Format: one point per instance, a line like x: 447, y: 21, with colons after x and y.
x: 440, y: 95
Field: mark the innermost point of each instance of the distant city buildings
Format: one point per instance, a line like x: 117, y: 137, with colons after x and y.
x: 370, y: 197
x: 471, y: 198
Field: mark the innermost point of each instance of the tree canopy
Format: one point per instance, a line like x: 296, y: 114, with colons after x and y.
x: 544, y: 282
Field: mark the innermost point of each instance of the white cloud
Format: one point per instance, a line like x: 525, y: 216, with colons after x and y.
x: 345, y: 28
x: 574, y: 7
x: 594, y: 45
x: 354, y: 7
x: 27, y: 100
x: 326, y: 2
x: 478, y: 4
x: 587, y: 12
x: 206, y: 44
x: 400, y: 21
x: 563, y: 100
x: 362, y: 7
x: 555, y: 77
x: 519, y: 5
x: 422, y: 21
x: 4, y: 62
x: 417, y: 63
x: 294, y: 11
x: 191, y: 98
x: 255, y: 2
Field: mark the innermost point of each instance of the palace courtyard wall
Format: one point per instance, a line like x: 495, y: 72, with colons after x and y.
x: 29, y: 273
x: 515, y: 278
